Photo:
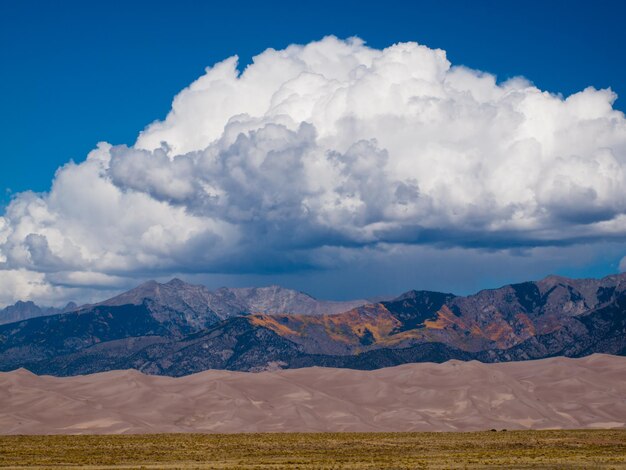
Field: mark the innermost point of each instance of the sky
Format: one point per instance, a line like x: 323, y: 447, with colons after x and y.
x: 344, y: 168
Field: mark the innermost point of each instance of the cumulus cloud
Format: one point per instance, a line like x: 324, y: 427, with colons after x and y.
x: 330, y: 144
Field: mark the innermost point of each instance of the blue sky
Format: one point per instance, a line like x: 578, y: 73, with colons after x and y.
x: 77, y: 73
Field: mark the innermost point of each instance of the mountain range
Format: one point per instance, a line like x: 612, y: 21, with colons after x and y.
x: 25, y: 310
x: 177, y: 328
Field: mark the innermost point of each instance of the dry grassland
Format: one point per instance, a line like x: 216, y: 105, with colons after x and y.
x: 512, y: 449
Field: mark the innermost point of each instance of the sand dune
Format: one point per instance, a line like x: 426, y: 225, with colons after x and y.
x: 455, y: 396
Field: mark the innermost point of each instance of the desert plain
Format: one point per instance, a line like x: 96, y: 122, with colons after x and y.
x: 554, y: 393
x: 550, y: 413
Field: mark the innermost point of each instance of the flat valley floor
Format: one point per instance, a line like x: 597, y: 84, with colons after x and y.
x: 602, y: 449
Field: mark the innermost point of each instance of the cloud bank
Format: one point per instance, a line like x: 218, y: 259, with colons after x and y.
x: 319, y: 150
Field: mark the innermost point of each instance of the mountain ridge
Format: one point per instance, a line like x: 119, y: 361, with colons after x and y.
x: 197, y: 301
x: 530, y: 320
x: 26, y: 309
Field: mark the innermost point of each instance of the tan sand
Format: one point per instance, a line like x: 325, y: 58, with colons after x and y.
x: 455, y: 396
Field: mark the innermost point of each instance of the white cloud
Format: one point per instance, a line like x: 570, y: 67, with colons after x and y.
x: 324, y: 145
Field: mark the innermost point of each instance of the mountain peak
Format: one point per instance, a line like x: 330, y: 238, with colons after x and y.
x: 553, y: 279
x: 178, y: 283
x: 414, y: 294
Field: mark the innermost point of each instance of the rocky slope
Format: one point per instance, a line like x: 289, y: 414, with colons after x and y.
x: 106, y: 335
x: 166, y: 333
x: 198, y: 304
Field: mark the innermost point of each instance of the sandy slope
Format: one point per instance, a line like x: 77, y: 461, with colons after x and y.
x: 455, y: 396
